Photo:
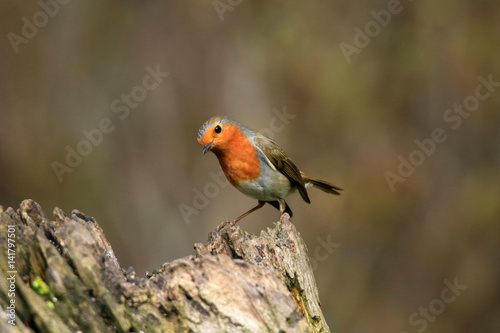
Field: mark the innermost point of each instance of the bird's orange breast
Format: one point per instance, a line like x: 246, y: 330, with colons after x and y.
x: 238, y: 157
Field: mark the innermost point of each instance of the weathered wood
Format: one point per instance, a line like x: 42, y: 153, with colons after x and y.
x: 237, y: 282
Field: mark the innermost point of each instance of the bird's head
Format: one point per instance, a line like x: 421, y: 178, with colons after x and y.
x: 216, y: 134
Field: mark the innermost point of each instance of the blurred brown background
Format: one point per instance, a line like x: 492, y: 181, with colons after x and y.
x: 394, y: 250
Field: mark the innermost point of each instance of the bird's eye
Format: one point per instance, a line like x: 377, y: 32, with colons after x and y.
x: 218, y: 129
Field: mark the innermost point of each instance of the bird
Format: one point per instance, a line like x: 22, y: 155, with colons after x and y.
x: 256, y: 165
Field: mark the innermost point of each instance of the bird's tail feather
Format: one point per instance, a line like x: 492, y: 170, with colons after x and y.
x: 321, y: 184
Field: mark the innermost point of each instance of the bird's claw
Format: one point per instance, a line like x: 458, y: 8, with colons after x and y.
x: 223, y: 224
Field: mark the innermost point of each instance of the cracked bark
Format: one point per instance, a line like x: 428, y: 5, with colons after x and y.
x: 237, y: 282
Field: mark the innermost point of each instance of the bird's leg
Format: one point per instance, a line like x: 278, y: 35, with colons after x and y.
x: 261, y: 203
x: 233, y: 222
x: 282, y: 207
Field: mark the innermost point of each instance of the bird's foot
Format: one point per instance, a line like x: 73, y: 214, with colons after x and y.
x: 284, y: 216
x: 223, y: 224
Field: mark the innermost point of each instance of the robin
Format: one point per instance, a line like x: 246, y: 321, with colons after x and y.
x: 256, y: 165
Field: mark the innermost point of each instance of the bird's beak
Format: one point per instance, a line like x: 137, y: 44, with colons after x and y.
x: 207, y: 147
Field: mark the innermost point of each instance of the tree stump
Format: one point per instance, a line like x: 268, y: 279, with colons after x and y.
x: 61, y: 275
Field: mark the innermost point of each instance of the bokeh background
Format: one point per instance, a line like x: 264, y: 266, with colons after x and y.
x: 251, y: 60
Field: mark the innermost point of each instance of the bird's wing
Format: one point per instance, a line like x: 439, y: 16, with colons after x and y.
x: 282, y: 163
